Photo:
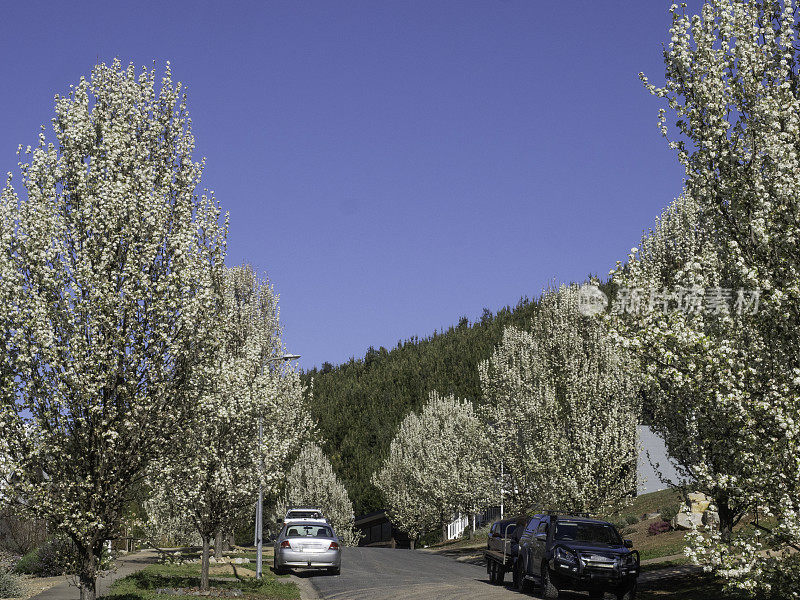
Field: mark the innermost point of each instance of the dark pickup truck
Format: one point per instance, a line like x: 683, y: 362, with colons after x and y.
x: 577, y: 553
x: 501, y: 547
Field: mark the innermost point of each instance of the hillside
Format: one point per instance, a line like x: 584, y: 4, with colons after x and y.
x: 360, y: 403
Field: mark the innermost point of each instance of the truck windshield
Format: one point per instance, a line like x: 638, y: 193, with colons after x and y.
x: 581, y: 531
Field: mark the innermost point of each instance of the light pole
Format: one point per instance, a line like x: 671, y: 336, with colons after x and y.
x: 259, y: 507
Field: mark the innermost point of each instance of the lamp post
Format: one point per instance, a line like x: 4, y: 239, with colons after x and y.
x: 259, y: 507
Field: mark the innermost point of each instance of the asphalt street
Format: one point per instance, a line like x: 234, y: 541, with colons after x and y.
x: 386, y: 574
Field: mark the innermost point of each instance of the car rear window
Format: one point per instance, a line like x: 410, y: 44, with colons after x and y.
x: 298, y: 530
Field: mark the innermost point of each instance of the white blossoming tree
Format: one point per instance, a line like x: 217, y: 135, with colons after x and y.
x: 693, y: 353
x: 561, y: 399
x: 312, y: 482
x: 732, y: 81
x: 215, y: 476
x: 113, y: 263
x: 436, y: 467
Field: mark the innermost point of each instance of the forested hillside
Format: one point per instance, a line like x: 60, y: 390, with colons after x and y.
x: 360, y: 403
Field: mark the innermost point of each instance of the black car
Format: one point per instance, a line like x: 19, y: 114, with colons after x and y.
x: 577, y: 553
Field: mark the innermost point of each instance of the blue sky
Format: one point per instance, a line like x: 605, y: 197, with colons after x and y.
x: 391, y: 166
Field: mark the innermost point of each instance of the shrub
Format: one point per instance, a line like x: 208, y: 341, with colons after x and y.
x: 658, y: 527
x: 29, y: 563
x: 669, y: 512
x: 631, y: 519
x: 9, y: 585
x: 55, y: 557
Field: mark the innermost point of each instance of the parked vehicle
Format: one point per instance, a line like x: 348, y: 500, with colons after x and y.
x: 304, y: 513
x: 307, y: 545
x: 577, y: 553
x: 501, y: 547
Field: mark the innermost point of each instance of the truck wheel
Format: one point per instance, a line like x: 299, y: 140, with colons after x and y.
x: 491, y: 568
x: 522, y: 583
x: 628, y: 594
x: 500, y: 574
x: 549, y: 591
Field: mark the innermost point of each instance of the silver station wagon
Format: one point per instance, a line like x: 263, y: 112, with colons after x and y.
x: 307, y: 545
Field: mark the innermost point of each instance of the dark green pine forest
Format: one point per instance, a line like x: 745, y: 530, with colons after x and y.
x: 359, y: 404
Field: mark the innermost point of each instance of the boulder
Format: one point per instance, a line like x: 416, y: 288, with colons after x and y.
x: 687, y: 520
x: 698, y: 502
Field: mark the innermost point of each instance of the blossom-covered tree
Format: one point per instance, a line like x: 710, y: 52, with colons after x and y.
x: 733, y: 83
x: 561, y: 400
x: 113, y: 262
x: 436, y: 466
x: 692, y: 353
x: 312, y: 482
x: 215, y: 476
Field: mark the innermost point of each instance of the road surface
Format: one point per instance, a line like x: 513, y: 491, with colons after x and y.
x: 386, y: 574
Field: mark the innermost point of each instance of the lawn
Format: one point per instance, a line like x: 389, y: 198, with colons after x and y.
x: 143, y: 585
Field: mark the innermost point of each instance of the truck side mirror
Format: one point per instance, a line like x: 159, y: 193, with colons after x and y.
x: 628, y: 543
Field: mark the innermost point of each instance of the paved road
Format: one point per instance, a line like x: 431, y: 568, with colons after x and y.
x: 385, y: 574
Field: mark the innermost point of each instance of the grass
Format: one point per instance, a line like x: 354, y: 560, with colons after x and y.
x: 143, y: 585
x: 653, y: 502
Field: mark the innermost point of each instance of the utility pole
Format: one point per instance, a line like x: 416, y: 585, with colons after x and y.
x: 260, y: 505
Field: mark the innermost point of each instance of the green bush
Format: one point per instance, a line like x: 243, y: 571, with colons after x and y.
x: 631, y: 519
x: 9, y: 585
x: 29, y: 563
x: 669, y: 512
x: 56, y: 556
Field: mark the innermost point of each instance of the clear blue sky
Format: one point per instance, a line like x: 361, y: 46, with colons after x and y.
x: 390, y: 165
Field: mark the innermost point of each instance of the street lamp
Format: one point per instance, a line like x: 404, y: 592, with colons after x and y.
x: 259, y: 508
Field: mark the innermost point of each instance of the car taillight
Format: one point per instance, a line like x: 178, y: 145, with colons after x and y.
x: 333, y: 546
x: 285, y: 544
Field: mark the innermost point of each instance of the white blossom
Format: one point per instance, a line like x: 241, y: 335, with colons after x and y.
x: 436, y: 467
x: 107, y: 282
x: 312, y: 482
x: 560, y: 399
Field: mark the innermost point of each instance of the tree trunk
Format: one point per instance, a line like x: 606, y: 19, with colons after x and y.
x: 205, y: 563
x: 727, y: 517
x: 412, y: 543
x: 218, y: 543
x: 88, y: 574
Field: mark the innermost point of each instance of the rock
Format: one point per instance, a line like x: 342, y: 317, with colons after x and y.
x: 687, y: 520
x: 652, y: 515
x: 213, y: 560
x: 237, y: 561
x: 711, y: 518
